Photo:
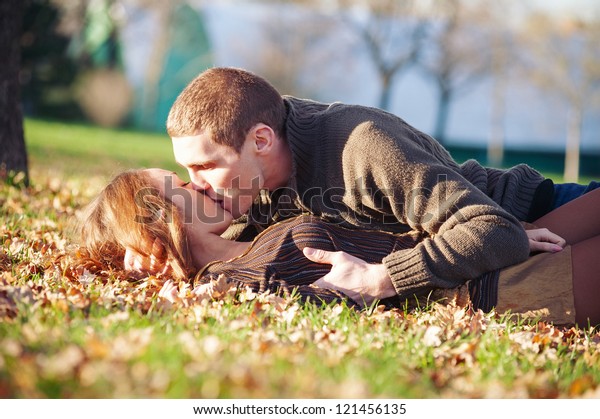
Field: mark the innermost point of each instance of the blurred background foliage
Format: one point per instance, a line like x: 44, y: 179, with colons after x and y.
x: 47, y: 71
x: 465, y: 71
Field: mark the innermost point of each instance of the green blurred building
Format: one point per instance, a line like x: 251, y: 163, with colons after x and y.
x: 156, y: 51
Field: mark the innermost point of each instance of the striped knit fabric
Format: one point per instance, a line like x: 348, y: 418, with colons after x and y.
x: 512, y: 189
x: 275, y: 262
x: 484, y: 291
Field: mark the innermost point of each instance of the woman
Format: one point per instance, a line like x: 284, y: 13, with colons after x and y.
x: 139, y: 207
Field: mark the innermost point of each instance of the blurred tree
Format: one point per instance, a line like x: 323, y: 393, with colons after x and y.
x: 47, y: 72
x: 99, y: 40
x: 458, y: 55
x: 562, y: 57
x: 295, y: 44
x: 393, y: 33
x: 13, y: 155
x: 178, y: 46
x: 500, y: 49
x: 503, y: 60
x: 148, y: 94
x: 181, y: 50
x: 103, y: 91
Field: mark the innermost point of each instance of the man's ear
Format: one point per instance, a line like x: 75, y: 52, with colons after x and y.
x: 264, y: 138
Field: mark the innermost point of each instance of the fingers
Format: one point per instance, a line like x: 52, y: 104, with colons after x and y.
x: 154, y: 266
x: 545, y: 235
x: 158, y: 250
x: 535, y: 246
x: 325, y: 283
x: 322, y: 256
x: 165, y: 269
x: 154, y: 263
x: 133, y: 261
x: 157, y: 261
x: 543, y: 240
x: 553, y: 238
x: 128, y: 259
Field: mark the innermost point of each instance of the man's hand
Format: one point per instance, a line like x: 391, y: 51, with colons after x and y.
x: 361, y: 281
x: 153, y: 264
x: 543, y: 240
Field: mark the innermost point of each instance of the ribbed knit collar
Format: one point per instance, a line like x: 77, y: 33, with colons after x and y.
x: 304, y: 133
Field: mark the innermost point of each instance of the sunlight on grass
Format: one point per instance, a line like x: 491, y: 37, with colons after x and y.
x: 70, y: 149
x: 71, y: 328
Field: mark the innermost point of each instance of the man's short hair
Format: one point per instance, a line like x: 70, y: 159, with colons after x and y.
x: 227, y: 103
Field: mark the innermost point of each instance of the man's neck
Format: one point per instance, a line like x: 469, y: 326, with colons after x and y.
x: 280, y: 166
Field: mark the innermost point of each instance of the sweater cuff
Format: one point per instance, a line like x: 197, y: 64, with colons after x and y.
x: 408, y: 272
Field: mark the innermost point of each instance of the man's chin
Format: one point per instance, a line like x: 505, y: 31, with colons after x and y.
x: 236, y: 214
x: 227, y: 210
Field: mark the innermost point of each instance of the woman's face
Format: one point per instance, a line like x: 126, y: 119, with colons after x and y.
x: 200, y: 214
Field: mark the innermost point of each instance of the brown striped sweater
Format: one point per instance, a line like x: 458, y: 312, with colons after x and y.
x: 365, y: 168
x: 274, y: 261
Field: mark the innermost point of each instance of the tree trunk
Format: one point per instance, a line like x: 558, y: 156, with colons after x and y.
x: 386, y: 90
x: 156, y: 61
x: 572, y: 147
x: 495, y: 151
x: 13, y: 155
x: 442, y: 116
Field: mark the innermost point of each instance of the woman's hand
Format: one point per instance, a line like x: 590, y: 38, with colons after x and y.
x: 153, y: 264
x: 543, y: 240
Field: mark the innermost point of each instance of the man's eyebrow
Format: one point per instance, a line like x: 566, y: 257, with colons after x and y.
x: 200, y: 163
x: 188, y: 163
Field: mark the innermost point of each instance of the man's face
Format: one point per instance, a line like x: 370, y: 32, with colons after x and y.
x: 200, y: 214
x: 233, y: 180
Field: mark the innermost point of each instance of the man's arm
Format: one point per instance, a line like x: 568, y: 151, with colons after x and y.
x: 365, y: 283
x: 465, y: 233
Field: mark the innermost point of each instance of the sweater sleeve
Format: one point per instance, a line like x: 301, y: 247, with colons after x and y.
x: 513, y: 189
x: 466, y: 233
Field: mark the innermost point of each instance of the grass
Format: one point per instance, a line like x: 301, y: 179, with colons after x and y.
x: 69, y: 329
x: 82, y: 150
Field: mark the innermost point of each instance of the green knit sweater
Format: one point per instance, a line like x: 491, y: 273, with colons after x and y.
x: 365, y: 168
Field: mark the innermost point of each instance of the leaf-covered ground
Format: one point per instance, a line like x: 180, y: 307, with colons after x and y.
x: 72, y: 329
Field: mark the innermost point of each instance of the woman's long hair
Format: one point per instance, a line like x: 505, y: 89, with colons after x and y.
x: 131, y: 213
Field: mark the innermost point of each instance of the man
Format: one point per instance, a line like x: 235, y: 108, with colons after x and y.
x: 269, y: 157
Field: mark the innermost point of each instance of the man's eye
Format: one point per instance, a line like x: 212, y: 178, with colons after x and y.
x: 204, y: 166
x: 185, y: 184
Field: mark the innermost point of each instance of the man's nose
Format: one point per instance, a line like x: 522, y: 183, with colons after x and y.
x: 198, y: 183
